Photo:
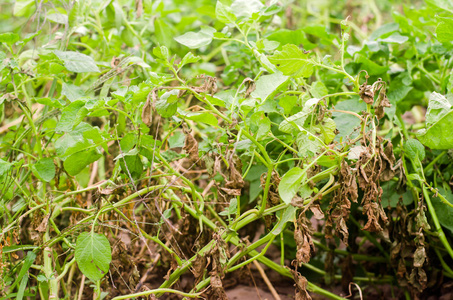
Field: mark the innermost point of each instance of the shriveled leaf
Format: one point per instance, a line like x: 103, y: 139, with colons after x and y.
x: 291, y: 61
x: 93, y: 255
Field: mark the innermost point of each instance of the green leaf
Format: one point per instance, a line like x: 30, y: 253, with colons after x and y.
x: 161, y: 52
x: 292, y: 61
x: 327, y: 130
x: 414, y: 150
x: 75, y: 163
x: 77, y: 62
x: 290, y: 184
x: 267, y: 85
x: 72, y: 92
x: 444, y: 30
x: 438, y: 136
x: 93, y: 255
x: 4, y: 166
x: 71, y: 116
x: 224, y: 14
x: 294, y: 123
x: 195, y: 40
x: 260, y: 125
x: 23, y: 8
x: 206, y: 118
x: 188, y: 59
x: 307, y: 145
x: 318, y: 89
x: 44, y: 169
x: 168, y: 104
x: 438, y: 106
x: 444, y: 4
x: 9, y: 38
x: 289, y: 215
x: 163, y: 32
x: 370, y: 66
x: 245, y: 8
x: 444, y: 212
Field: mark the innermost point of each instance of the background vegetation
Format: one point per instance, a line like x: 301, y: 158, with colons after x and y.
x: 175, y: 148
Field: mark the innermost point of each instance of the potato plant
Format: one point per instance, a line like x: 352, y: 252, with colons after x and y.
x: 162, y: 149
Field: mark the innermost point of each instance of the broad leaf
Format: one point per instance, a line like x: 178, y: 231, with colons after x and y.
x: 71, y: 116
x: 292, y: 61
x: 93, y: 255
x: 444, y: 212
x: 267, y: 85
x: 44, y: 169
x: 195, y: 40
x: 77, y: 62
x: 224, y: 14
x: 414, y: 150
x: 290, y: 184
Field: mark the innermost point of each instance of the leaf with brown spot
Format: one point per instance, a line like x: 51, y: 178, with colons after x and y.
x: 366, y: 93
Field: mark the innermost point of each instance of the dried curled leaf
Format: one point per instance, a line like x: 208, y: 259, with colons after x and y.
x: 366, y: 93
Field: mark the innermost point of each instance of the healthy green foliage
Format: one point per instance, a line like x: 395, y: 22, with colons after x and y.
x: 93, y: 255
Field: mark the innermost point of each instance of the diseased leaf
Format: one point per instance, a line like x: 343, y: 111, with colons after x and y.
x: 93, y: 255
x: 291, y: 61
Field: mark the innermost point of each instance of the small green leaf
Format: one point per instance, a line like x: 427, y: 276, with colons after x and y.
x: 9, y: 38
x: 438, y: 106
x: 289, y: 215
x: 414, y: 150
x: 44, y: 169
x: 246, y: 8
x: 260, y: 125
x: 195, y: 40
x: 224, y: 14
x: 93, y: 255
x: 292, y: 61
x: 444, y: 211
x: 290, y: 184
x: 161, y: 52
x: 4, y: 166
x: 77, y: 62
x: 187, y: 59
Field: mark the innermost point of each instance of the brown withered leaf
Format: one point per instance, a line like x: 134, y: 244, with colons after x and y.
x: 304, y: 242
x: 250, y: 85
x: 231, y: 192
x: 217, y: 288
x: 191, y: 148
x: 147, y: 111
x: 419, y: 257
x: 301, y: 287
x: 43, y: 226
x: 382, y: 102
x: 198, y: 267
x: 366, y: 93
